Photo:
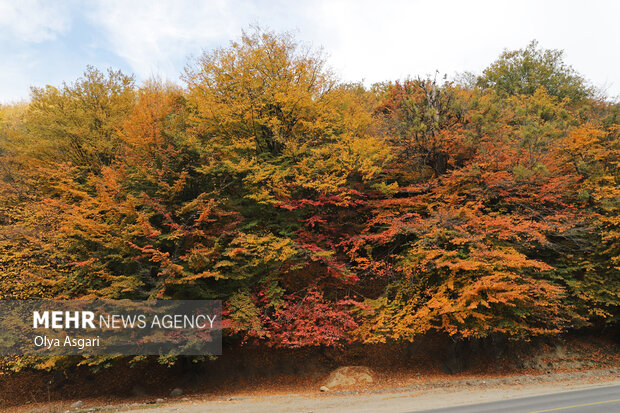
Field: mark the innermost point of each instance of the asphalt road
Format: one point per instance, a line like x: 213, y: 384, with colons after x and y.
x: 596, y: 400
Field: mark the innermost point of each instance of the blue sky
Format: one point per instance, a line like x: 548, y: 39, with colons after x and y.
x: 48, y: 42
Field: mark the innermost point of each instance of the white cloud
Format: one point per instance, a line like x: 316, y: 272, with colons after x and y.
x: 391, y: 39
x: 152, y: 36
x: 33, y: 20
x: 365, y: 39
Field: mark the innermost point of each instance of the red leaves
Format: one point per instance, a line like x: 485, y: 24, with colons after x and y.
x: 309, y: 320
x: 82, y: 263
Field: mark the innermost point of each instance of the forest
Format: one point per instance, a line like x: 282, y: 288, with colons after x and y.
x: 322, y: 213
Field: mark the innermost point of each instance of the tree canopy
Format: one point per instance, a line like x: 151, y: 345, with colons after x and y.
x: 525, y: 70
x: 321, y: 212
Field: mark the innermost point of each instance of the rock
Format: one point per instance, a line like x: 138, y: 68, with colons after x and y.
x: 159, y: 400
x: 349, y: 376
x: 77, y: 404
x: 185, y: 399
x: 324, y: 389
x: 176, y: 392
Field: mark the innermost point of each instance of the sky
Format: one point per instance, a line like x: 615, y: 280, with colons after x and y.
x: 47, y: 42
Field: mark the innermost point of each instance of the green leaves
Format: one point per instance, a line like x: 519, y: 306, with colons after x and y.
x: 522, y: 72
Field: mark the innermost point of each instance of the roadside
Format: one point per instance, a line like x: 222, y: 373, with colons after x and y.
x: 389, y: 401
x: 412, y: 394
x: 258, y: 379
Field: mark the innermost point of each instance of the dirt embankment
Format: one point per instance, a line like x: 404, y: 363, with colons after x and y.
x: 253, y: 374
x: 427, y: 394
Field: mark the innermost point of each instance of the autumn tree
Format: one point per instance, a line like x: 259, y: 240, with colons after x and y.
x: 525, y: 70
x: 288, y: 147
x: 79, y: 122
x: 321, y: 212
x: 227, y: 190
x: 425, y: 121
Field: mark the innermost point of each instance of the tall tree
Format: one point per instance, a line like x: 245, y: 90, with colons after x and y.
x: 525, y: 70
x: 79, y: 122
